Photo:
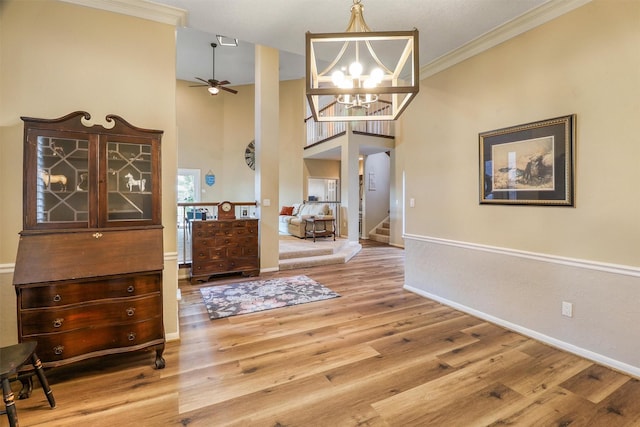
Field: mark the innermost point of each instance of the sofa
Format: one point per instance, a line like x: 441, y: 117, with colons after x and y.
x: 292, y: 219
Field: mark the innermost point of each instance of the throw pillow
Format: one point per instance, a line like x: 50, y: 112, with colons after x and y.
x: 296, y: 209
x: 286, y: 210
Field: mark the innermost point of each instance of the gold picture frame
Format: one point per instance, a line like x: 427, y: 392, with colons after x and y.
x: 529, y: 164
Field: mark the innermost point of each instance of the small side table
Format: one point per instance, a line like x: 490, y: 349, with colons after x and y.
x: 313, y: 230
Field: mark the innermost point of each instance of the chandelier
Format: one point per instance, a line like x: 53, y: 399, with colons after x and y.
x: 361, y: 74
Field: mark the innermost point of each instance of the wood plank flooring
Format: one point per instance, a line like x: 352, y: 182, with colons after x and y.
x: 376, y: 356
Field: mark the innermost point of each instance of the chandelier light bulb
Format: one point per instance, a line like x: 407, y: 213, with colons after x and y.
x: 355, y: 69
x: 337, y: 78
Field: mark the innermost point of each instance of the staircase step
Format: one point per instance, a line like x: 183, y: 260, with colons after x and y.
x: 383, y: 231
x: 379, y: 238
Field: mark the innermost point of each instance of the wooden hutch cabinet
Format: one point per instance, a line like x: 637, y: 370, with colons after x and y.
x: 88, y: 273
x: 224, y: 246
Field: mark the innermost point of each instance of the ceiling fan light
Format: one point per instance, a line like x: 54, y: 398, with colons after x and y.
x: 213, y: 90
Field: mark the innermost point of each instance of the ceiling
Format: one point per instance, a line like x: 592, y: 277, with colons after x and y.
x: 444, y: 26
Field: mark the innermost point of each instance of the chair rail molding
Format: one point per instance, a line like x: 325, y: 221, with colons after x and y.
x: 573, y: 262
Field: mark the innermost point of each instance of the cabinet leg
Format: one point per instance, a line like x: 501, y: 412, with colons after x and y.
x: 159, y: 359
x: 27, y: 386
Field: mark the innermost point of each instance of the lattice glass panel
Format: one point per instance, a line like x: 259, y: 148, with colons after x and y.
x: 62, y: 184
x: 129, y: 181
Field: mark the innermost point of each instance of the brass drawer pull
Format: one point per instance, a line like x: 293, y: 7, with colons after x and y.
x: 58, y: 349
x: 131, y: 311
x: 57, y: 298
x: 131, y: 288
x: 131, y: 336
x: 58, y: 322
x: 97, y: 235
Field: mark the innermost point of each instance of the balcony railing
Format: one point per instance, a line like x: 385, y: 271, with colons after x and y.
x: 322, y: 131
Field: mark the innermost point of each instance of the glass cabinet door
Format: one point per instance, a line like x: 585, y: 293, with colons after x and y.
x: 62, y: 183
x: 129, y: 170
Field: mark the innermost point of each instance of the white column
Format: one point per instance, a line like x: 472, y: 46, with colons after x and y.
x: 267, y: 131
x: 349, y: 187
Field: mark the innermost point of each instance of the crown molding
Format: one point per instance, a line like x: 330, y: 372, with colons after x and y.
x: 534, y: 18
x: 140, y: 9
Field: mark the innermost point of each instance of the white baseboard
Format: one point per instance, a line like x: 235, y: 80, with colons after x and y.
x: 174, y: 336
x: 587, y: 354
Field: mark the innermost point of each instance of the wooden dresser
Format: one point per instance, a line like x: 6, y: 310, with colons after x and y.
x: 88, y: 275
x: 224, y: 246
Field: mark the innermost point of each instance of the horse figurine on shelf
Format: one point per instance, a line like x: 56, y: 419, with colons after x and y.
x: 140, y: 183
x: 49, y: 179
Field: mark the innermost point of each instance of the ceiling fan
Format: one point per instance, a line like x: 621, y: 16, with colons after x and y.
x: 215, y: 85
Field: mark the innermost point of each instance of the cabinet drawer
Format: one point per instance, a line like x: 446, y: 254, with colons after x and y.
x: 242, y: 264
x: 210, y: 253
x: 60, y: 346
x: 49, y: 320
x: 209, y: 267
x: 246, y: 231
x: 236, y: 240
x: 242, y: 251
x: 55, y: 295
x: 211, y: 228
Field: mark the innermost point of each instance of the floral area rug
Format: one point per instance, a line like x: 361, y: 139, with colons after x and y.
x: 248, y: 297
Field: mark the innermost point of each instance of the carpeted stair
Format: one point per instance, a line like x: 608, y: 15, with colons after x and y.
x: 381, y: 233
x: 299, y: 253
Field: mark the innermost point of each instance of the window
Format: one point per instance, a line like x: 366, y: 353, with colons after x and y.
x: 188, y: 185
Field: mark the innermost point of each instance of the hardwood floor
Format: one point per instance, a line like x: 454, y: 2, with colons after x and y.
x: 377, y: 356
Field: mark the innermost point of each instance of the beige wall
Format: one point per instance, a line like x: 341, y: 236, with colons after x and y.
x: 317, y: 168
x: 213, y: 132
x: 57, y: 58
x: 586, y: 62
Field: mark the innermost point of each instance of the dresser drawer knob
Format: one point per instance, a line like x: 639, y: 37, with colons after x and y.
x: 58, y: 322
x: 131, y: 311
x: 57, y: 298
x: 97, y: 235
x: 131, y: 336
x: 131, y: 288
x: 58, y: 349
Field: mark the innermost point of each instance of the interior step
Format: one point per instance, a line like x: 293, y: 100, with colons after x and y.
x: 382, y: 238
x: 313, y: 257
x: 307, y: 252
x: 382, y: 231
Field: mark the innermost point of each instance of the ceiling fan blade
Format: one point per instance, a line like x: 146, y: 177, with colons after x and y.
x: 198, y: 85
x: 203, y: 80
x: 228, y: 89
x: 224, y: 82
